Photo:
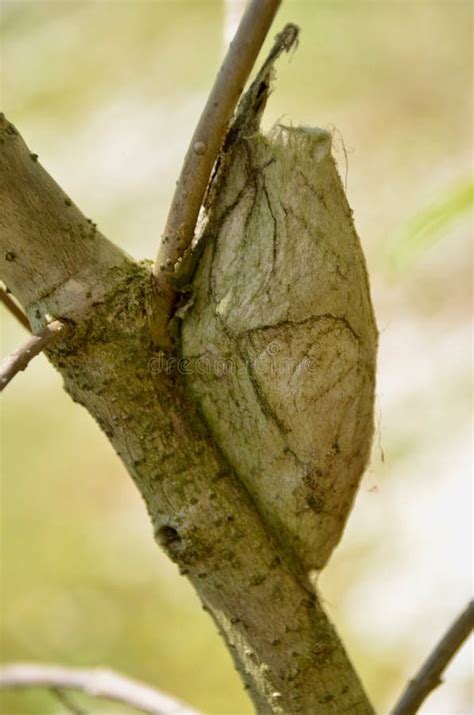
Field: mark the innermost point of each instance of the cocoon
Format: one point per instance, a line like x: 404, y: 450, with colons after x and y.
x: 281, y: 336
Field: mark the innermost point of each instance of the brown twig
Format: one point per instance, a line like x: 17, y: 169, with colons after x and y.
x: 20, y: 359
x: 97, y: 683
x: 429, y: 676
x: 65, y: 700
x: 14, y: 309
x: 203, y: 150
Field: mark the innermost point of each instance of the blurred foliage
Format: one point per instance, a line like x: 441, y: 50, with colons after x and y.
x: 432, y: 222
x: 107, y: 92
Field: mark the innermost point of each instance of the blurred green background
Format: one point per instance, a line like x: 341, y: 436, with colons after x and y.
x: 107, y: 93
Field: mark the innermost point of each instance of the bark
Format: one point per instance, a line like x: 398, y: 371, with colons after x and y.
x: 59, y: 266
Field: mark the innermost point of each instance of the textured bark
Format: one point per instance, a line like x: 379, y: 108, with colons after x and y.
x: 59, y: 266
x: 52, y: 257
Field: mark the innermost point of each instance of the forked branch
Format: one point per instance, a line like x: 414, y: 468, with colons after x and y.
x: 429, y: 676
x: 97, y: 683
x: 203, y: 150
x: 264, y: 610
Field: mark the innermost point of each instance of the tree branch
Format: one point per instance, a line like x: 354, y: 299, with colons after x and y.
x: 14, y: 309
x: 429, y: 676
x: 53, y: 259
x: 57, y: 264
x: 97, y: 683
x: 203, y: 150
x: 20, y: 359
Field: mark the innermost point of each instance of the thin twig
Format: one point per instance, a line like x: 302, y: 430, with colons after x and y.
x: 97, y: 683
x: 203, y: 150
x: 429, y: 676
x: 20, y: 359
x: 65, y: 700
x: 14, y: 309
